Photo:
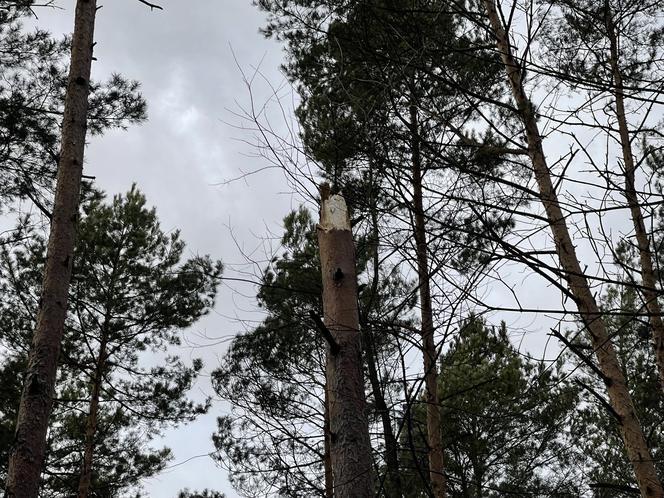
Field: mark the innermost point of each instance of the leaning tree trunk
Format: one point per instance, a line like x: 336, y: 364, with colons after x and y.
x: 434, y: 434
x: 27, y: 453
x: 350, y: 446
x: 619, y: 396
x: 649, y: 282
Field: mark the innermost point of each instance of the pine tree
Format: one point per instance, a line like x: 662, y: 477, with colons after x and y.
x: 610, y: 51
x: 607, y: 470
x: 131, y: 297
x: 504, y: 421
x: 378, y: 103
x: 29, y: 445
x: 274, y: 440
x: 577, y: 284
x: 33, y: 79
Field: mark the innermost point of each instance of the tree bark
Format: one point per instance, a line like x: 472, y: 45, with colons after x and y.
x: 27, y: 454
x: 434, y: 431
x: 349, y: 428
x: 648, y: 280
x: 91, y: 421
x: 327, y: 458
x: 619, y: 396
x: 393, y: 485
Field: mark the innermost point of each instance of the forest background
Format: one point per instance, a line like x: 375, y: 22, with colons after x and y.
x: 196, y: 126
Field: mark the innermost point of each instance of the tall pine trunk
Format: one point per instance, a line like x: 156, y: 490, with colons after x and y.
x: 27, y: 453
x: 392, y: 486
x: 648, y: 280
x: 350, y: 446
x: 434, y: 434
x: 619, y: 397
x: 91, y: 421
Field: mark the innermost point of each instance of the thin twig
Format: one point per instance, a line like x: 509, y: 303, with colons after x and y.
x: 151, y: 5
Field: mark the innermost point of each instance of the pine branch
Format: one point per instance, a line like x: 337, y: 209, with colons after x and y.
x: 334, y: 346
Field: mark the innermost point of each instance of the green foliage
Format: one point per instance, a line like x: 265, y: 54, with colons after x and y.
x: 577, y: 41
x: 274, y: 378
x: 11, y: 372
x: 503, y: 419
x: 361, y: 68
x: 131, y: 296
x: 33, y: 78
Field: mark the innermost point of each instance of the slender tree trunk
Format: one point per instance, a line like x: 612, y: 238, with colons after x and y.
x: 393, y: 484
x: 91, y: 421
x: 434, y: 432
x: 27, y: 454
x: 648, y: 280
x: 619, y: 396
x: 349, y: 428
x: 327, y: 458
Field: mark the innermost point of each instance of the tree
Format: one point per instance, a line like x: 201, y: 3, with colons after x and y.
x: 578, y: 288
x: 350, y: 448
x: 274, y: 440
x: 370, y: 102
x: 608, y: 471
x: 32, y: 93
x: 610, y: 50
x: 132, y: 295
x: 504, y: 420
x: 335, y: 79
x: 29, y: 445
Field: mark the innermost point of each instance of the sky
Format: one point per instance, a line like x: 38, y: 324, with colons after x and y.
x: 190, y: 59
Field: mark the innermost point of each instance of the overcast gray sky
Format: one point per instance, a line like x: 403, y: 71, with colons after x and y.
x: 183, y: 57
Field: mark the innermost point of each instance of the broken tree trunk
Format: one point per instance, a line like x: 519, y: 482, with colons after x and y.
x: 27, y: 453
x: 350, y: 447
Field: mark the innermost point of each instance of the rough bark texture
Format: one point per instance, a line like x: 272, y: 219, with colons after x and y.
x: 434, y: 435
x: 349, y: 428
x: 27, y: 454
x: 648, y: 280
x: 619, y: 396
x: 327, y: 457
